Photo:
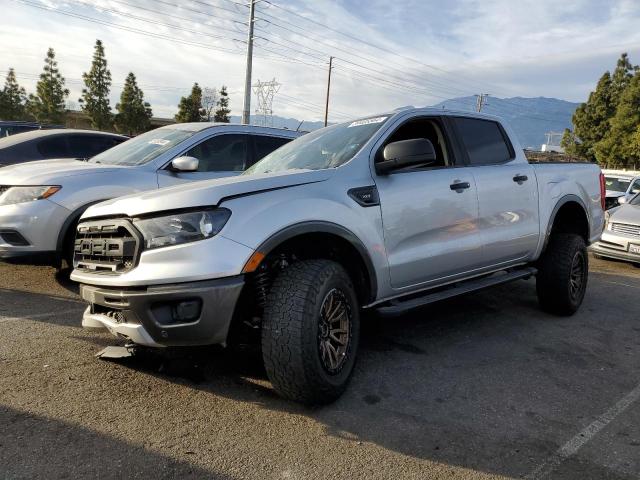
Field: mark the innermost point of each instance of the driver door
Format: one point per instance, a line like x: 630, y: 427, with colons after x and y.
x: 429, y: 214
x: 223, y: 155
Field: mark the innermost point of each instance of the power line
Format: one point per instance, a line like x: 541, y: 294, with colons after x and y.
x: 357, y: 39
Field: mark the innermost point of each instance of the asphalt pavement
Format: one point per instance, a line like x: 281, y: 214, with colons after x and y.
x: 482, y: 386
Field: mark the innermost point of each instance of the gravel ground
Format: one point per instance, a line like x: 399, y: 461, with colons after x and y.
x: 483, y: 386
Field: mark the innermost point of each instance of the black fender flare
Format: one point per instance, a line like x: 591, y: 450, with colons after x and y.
x: 71, y: 219
x: 559, y: 204
x: 302, y: 228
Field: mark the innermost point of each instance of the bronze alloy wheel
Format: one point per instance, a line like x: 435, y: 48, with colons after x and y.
x: 576, y: 278
x: 334, y: 331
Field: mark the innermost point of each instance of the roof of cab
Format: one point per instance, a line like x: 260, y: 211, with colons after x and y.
x: 200, y: 126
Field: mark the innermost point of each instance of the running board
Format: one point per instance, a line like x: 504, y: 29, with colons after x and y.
x: 398, y: 305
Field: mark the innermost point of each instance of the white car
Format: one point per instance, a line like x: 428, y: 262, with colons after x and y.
x: 41, y: 202
x: 620, y: 183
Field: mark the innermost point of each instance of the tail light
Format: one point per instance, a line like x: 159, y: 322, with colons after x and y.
x: 603, y: 191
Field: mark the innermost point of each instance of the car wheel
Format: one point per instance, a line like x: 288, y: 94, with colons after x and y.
x: 310, y: 331
x: 563, y: 273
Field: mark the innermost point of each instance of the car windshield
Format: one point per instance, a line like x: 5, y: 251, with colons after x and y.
x: 325, y: 148
x: 617, y: 184
x: 143, y: 148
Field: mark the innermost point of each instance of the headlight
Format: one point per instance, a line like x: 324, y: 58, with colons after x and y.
x: 26, y: 194
x: 181, y: 227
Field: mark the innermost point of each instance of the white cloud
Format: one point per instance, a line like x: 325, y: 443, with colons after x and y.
x: 506, y: 48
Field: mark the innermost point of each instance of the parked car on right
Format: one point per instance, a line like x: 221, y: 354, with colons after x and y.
x: 55, y: 143
x: 620, y: 184
x: 621, y: 236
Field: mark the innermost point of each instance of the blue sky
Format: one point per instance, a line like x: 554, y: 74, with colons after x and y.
x: 389, y: 54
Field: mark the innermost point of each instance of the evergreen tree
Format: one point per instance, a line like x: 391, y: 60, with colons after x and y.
x: 222, y: 113
x: 95, y: 97
x: 13, y: 99
x: 620, y: 147
x: 48, y: 104
x: 591, y: 120
x: 190, y: 108
x: 133, y: 112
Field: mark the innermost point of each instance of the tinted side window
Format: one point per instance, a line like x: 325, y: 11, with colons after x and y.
x: 635, y: 188
x: 483, y: 140
x: 86, y: 146
x: 266, y: 145
x: 53, y: 147
x: 223, y: 153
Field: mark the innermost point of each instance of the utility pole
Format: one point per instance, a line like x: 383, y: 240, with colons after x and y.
x: 326, y: 107
x: 246, y: 109
x: 481, y: 101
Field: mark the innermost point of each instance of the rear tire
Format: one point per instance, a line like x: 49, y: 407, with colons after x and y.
x: 563, y: 273
x: 310, y: 331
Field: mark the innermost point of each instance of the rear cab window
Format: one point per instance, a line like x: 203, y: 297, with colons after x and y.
x: 485, y: 141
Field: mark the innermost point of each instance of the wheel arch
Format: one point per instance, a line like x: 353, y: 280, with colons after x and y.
x: 569, y: 215
x: 68, y: 223
x: 329, y: 230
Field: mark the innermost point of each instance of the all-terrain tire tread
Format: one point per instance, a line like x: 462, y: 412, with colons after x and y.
x: 285, y: 349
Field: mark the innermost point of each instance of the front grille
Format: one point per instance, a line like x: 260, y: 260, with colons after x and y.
x: 106, y: 245
x: 626, y: 229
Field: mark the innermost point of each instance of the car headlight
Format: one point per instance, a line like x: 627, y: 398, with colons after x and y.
x: 26, y: 194
x: 182, y: 227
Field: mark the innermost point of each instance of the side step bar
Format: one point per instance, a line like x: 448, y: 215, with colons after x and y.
x: 399, y: 305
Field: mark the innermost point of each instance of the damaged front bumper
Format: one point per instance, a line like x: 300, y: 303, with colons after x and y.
x: 186, y: 314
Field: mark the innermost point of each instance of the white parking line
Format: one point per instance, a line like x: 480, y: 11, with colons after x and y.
x: 620, y: 284
x: 584, y: 436
x: 39, y: 315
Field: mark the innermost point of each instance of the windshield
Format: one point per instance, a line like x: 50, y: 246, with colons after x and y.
x: 143, y: 148
x: 325, y: 148
x: 617, y: 184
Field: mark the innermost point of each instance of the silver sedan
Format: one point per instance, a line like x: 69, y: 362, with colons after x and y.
x: 621, y: 235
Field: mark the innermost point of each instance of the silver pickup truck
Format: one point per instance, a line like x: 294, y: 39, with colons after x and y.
x: 389, y: 212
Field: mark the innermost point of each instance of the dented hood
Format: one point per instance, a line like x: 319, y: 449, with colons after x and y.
x: 204, y: 193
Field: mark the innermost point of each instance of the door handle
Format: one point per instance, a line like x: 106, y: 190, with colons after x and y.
x: 459, y: 186
x: 520, y: 179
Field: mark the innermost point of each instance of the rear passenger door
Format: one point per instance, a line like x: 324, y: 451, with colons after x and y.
x: 507, y: 191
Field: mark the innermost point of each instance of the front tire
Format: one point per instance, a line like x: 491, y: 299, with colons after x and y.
x: 563, y: 272
x: 310, y: 331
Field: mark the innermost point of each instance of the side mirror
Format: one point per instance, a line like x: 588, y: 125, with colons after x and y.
x: 185, y: 164
x: 622, y: 200
x: 406, y: 153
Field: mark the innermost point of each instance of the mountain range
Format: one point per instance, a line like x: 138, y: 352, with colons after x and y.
x: 530, y: 118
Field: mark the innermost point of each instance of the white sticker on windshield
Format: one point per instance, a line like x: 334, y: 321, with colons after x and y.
x: 367, y: 121
x: 159, y: 141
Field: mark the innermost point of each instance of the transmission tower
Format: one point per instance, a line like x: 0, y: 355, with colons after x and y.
x: 265, y: 91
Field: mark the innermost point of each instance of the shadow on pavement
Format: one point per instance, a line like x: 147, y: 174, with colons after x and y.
x: 486, y: 381
x: 33, y: 447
